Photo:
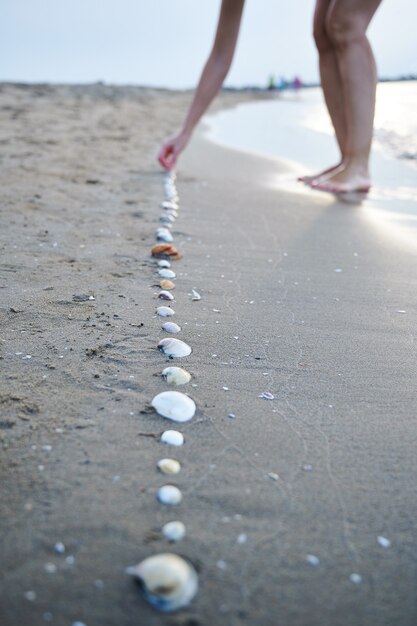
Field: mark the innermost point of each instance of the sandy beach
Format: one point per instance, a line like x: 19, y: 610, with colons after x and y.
x: 300, y: 510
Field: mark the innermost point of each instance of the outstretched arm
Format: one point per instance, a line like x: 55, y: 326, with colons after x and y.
x: 211, y: 80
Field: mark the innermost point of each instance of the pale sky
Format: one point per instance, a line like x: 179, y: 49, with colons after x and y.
x: 165, y: 42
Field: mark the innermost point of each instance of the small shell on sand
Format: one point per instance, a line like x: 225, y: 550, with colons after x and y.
x: 172, y: 438
x: 174, y: 348
x: 171, y: 192
x: 176, y: 376
x: 165, y: 295
x: 174, y: 531
x: 165, y: 311
x: 171, y: 327
x: 174, y: 405
x: 169, y: 581
x: 163, y: 234
x: 265, y: 395
x: 166, y: 284
x: 167, y: 218
x: 164, y: 263
x: 163, y: 250
x: 166, y: 273
x: 195, y: 295
x: 169, y: 494
x: 169, y: 466
x: 169, y: 206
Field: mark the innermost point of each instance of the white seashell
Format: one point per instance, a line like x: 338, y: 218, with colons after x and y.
x: 171, y: 327
x: 174, y: 531
x: 163, y: 234
x: 164, y: 263
x: 168, y: 205
x: 167, y: 219
x: 265, y: 395
x: 383, y: 541
x: 169, y: 466
x: 313, y: 560
x: 169, y: 581
x: 174, y: 348
x: 165, y: 295
x: 172, y: 438
x: 169, y: 494
x: 165, y: 311
x: 165, y: 273
x: 176, y: 376
x: 171, y: 192
x: 195, y: 295
x: 356, y: 579
x: 174, y: 405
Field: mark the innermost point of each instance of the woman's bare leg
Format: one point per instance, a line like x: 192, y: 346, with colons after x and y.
x: 346, y: 25
x: 330, y: 81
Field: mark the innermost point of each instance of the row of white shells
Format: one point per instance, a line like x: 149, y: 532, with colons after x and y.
x: 169, y: 581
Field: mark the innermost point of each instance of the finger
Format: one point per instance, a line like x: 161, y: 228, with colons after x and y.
x: 164, y: 156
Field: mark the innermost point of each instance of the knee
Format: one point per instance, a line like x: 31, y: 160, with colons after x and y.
x: 342, y: 28
x: 321, y: 38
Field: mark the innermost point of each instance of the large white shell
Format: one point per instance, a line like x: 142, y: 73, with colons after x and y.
x: 164, y: 263
x: 165, y: 311
x: 169, y: 581
x: 174, y: 405
x: 165, y: 273
x: 176, y: 375
x: 169, y: 466
x: 172, y: 438
x: 171, y: 327
x: 174, y: 348
x: 169, y: 494
x: 174, y: 531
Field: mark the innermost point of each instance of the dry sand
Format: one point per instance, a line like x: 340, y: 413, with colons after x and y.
x: 80, y: 194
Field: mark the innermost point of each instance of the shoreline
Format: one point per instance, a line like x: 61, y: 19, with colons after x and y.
x: 299, y: 299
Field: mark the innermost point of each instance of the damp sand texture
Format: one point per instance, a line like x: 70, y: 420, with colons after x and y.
x: 300, y: 509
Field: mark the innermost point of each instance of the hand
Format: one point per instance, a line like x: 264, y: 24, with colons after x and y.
x: 171, y: 149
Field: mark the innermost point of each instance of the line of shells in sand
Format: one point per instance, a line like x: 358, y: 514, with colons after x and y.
x: 169, y: 581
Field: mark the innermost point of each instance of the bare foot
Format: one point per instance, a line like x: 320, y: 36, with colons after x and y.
x: 345, y: 180
x: 308, y: 179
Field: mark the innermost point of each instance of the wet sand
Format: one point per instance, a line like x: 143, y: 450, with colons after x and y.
x: 300, y: 298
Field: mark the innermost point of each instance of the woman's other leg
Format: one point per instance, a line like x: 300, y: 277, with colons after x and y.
x: 346, y: 25
x: 330, y: 81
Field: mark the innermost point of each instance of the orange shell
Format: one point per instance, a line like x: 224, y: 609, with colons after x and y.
x: 163, y: 250
x: 167, y: 284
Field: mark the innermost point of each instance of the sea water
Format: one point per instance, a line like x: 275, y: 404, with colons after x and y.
x: 294, y: 128
x: 295, y: 125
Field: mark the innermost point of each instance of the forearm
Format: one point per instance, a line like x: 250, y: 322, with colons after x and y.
x: 211, y: 81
